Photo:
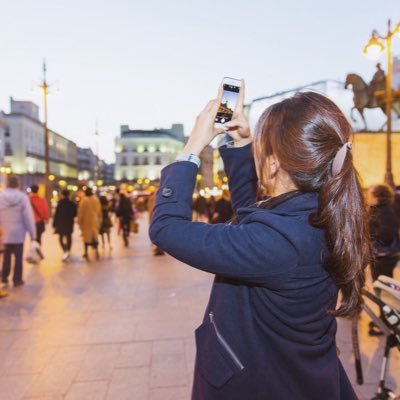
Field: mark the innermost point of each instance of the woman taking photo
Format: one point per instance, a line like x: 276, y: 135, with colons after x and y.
x: 269, y: 327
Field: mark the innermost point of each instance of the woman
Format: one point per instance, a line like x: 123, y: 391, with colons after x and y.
x: 384, y: 230
x: 269, y: 328
x: 89, y: 220
x: 63, y: 222
x: 106, y: 223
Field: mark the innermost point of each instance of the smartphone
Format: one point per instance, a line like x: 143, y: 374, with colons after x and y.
x: 229, y: 100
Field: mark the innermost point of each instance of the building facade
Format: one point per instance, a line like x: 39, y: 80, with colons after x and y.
x: 87, y: 165
x: 23, y: 146
x: 141, y: 154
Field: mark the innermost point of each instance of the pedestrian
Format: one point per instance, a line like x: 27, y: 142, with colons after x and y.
x: 16, y: 219
x: 63, y: 222
x: 106, y: 223
x: 223, y: 209
x: 125, y: 216
x: 40, y: 212
x: 384, y: 230
x: 89, y: 220
x: 211, y: 202
x: 200, y: 206
x: 269, y: 327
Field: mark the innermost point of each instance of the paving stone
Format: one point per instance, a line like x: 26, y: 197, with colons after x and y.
x: 129, y: 384
x: 87, y: 391
x: 137, y: 354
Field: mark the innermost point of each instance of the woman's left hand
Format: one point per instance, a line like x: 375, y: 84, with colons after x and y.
x: 204, y: 130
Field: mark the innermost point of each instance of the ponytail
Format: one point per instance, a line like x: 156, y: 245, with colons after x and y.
x: 343, y: 215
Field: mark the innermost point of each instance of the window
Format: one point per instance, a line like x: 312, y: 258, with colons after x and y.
x: 158, y: 160
x: 146, y: 160
x: 7, y: 133
x: 136, y: 161
x: 8, y: 150
x: 123, y: 161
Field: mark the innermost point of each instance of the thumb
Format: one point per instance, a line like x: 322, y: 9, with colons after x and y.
x: 232, y: 123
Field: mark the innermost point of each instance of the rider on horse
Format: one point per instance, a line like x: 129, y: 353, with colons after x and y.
x: 378, y: 82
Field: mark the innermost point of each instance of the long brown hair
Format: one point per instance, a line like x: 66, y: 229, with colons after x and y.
x: 304, y: 133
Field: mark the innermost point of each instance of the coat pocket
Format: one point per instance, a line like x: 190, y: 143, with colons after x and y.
x: 216, y: 360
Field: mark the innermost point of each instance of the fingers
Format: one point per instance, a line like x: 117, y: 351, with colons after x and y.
x: 234, y: 123
x: 220, y: 92
x: 208, y: 107
x: 240, y: 103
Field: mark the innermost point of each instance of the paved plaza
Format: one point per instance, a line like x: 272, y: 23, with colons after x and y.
x: 120, y: 328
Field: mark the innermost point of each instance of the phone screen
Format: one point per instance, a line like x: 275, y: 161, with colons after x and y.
x: 228, y: 103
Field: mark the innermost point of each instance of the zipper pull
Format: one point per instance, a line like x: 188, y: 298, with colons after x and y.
x: 211, y: 315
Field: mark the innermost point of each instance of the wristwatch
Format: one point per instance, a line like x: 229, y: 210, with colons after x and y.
x: 189, y: 157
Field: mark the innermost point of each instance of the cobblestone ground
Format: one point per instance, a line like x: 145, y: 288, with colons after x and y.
x: 119, y: 328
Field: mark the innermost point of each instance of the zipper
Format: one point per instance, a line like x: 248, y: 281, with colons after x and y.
x: 225, y: 344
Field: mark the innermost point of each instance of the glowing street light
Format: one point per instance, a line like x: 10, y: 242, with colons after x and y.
x: 377, y: 44
x: 374, y: 47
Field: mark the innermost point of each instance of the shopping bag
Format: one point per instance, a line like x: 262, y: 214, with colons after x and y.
x: 134, y: 227
x: 35, y: 253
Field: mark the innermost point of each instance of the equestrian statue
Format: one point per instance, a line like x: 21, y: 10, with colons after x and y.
x: 372, y: 95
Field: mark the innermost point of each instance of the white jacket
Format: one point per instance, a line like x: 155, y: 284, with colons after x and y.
x: 16, y: 217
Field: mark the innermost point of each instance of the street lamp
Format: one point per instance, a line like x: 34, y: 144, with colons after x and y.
x: 44, y: 86
x: 377, y: 43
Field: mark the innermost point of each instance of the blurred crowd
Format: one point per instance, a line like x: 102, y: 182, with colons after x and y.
x: 97, y: 213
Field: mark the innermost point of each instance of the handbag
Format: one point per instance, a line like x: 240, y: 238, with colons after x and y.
x: 134, y: 226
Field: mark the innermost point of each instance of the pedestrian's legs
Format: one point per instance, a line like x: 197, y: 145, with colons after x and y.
x: 69, y: 241
x: 61, y: 240
x: 86, y: 250
x: 125, y: 231
x: 39, y: 231
x: 18, y: 251
x: 109, y: 239
x: 6, y: 262
x: 95, y: 245
x: 102, y: 240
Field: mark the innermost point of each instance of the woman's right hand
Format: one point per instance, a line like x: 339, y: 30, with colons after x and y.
x: 238, y: 127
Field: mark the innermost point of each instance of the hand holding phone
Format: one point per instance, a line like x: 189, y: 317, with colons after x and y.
x: 229, y: 101
x: 206, y: 128
x: 238, y: 126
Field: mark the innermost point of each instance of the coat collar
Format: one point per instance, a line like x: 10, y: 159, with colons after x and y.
x: 288, y: 204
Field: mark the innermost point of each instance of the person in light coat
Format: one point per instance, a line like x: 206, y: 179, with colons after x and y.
x: 89, y: 220
x: 16, y: 219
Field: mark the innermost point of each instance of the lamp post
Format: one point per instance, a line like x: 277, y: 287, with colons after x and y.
x: 44, y: 86
x: 376, y: 45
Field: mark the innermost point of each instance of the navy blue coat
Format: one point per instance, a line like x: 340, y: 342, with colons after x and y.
x: 266, y: 333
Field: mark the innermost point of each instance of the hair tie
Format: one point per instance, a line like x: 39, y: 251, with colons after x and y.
x: 338, y: 161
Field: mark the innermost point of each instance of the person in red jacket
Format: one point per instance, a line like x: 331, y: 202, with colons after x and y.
x: 40, y: 211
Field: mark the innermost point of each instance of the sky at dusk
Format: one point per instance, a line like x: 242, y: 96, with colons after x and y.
x: 153, y: 63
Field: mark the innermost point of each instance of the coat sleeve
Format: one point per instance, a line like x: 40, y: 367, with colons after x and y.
x: 252, y: 251
x: 241, y: 172
x: 29, y: 219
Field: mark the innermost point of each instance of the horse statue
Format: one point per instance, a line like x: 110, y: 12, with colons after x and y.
x: 369, y: 96
x: 363, y: 97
